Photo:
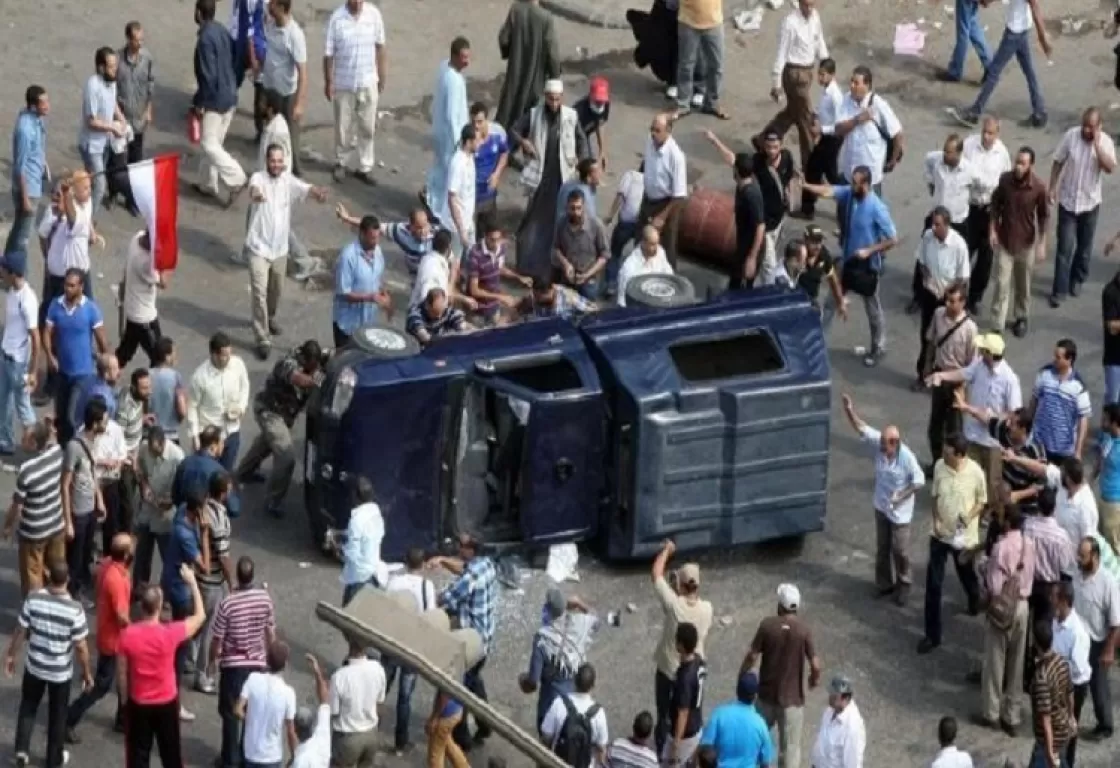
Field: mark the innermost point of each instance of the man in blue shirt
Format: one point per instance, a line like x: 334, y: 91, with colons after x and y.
x: 185, y: 547
x: 195, y: 473
x: 357, y: 282
x: 29, y: 166
x: 737, y: 732
x: 74, y: 324
x: 490, y: 160
x: 867, y: 233
x: 103, y: 385
x: 590, y: 174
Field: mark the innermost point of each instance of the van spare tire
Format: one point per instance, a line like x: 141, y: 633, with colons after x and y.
x: 660, y: 291
x: 384, y: 343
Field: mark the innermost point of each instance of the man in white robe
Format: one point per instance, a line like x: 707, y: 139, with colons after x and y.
x: 450, y: 113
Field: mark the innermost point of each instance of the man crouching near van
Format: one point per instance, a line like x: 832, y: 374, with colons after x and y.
x: 682, y: 605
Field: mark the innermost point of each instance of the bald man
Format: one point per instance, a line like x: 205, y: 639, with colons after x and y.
x: 898, y: 476
x: 648, y: 258
x: 990, y: 159
x: 666, y: 184
x: 114, y: 598
x: 1083, y: 154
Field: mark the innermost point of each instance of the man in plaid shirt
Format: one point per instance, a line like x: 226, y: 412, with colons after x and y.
x: 471, y: 599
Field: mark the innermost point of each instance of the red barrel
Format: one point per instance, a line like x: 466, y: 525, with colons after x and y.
x: 706, y: 229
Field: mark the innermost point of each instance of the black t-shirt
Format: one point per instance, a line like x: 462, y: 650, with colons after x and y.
x: 589, y: 120
x: 688, y: 693
x: 815, y: 273
x: 775, y: 197
x: 1110, y: 306
x: 1015, y: 477
x: 749, y: 214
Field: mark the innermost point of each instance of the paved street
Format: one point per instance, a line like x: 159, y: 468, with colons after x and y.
x: 901, y: 695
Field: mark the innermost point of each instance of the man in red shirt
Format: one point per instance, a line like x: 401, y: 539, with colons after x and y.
x: 114, y: 596
x: 146, y: 673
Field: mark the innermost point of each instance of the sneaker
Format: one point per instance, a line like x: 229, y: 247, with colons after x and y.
x: 927, y: 646
x: 1074, y: 289
x: 1019, y: 328
x: 204, y: 684
x: 944, y: 76
x: 339, y: 173
x: 366, y: 177
x: 185, y: 714
x: 65, y: 757
x: 72, y: 736
x: 671, y: 93
x: 964, y: 115
x: 872, y: 358
x: 21, y: 759
x: 263, y: 351
x: 697, y: 100
x: 1055, y: 302
x: 1035, y: 121
x: 274, y: 329
x: 404, y: 749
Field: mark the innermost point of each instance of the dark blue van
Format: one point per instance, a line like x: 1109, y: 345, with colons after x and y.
x: 706, y: 423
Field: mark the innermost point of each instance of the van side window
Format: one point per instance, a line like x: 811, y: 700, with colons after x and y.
x: 748, y: 354
x: 558, y: 376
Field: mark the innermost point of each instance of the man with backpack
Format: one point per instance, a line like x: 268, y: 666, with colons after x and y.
x: 559, y: 649
x: 575, y: 726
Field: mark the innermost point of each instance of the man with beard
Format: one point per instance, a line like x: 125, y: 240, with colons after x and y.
x: 101, y: 119
x: 132, y: 415
x: 1020, y: 212
x: 449, y: 115
x: 285, y: 70
x: 1096, y: 598
x: 1083, y: 154
x: 580, y: 253
x: 527, y: 42
x: 30, y: 172
x: 270, y: 220
x: 219, y: 395
x: 550, y: 137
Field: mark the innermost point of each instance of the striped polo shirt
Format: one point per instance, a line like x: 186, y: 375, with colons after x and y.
x: 241, y: 626
x: 487, y: 267
x: 53, y: 623
x: 413, y: 247
x: 39, y: 491
x: 220, y: 532
x: 1060, y: 406
x: 1016, y: 476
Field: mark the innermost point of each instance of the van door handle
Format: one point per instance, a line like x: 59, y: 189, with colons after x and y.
x: 564, y: 470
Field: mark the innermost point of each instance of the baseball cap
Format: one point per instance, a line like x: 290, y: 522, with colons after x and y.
x: 840, y: 686
x: 814, y: 233
x: 599, y: 89
x: 747, y: 687
x: 689, y: 573
x: 992, y: 342
x: 789, y: 597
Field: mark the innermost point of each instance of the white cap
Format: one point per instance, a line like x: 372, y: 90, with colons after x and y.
x: 789, y: 597
x: 554, y: 86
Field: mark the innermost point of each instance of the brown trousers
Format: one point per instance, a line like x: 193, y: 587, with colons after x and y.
x: 892, y: 553
x: 34, y: 559
x: 797, y: 83
x: 991, y: 461
x: 651, y: 208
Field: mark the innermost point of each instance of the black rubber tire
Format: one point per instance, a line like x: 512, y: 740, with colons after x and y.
x: 384, y: 343
x: 660, y: 291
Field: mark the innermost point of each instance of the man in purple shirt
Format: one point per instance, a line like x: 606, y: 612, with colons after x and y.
x: 486, y: 266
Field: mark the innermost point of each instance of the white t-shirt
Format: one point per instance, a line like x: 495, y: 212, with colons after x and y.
x: 1077, y: 514
x: 141, y: 283
x: 269, y: 704
x: 631, y: 188
x: 356, y: 690
x: 421, y: 589
x: 69, y: 248
x: 1019, y: 18
x: 553, y: 724
x: 461, y: 181
x: 21, y: 316
x: 316, y: 751
x: 637, y: 264
x: 433, y: 271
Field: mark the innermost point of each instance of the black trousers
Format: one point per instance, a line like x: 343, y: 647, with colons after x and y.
x: 58, y: 698
x: 111, y: 493
x: 1039, y: 608
x: 476, y: 685
x: 136, y: 148
x: 939, y: 553
x: 230, y: 682
x: 663, y: 701
x: 116, y: 177
x: 79, y: 553
x: 916, y: 279
x: 1099, y: 688
x: 146, y: 545
x: 148, y: 725
x: 944, y: 418
x: 138, y: 336
x: 341, y: 337
x: 104, y: 681
x: 980, y: 244
x: 1080, y: 693
x: 821, y: 167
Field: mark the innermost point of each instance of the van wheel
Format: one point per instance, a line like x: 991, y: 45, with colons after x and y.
x: 385, y: 343
x: 660, y: 291
x: 789, y: 546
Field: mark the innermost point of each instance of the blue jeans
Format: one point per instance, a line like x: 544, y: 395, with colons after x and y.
x: 95, y: 163
x: 1015, y: 45
x: 705, y: 45
x: 592, y: 290
x: 1111, y: 384
x: 404, y: 699
x: 969, y: 30
x: 1075, y: 245
x: 1038, y: 758
x: 22, y: 224
x: 15, y: 399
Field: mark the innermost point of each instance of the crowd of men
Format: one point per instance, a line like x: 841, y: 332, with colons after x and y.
x: 156, y: 462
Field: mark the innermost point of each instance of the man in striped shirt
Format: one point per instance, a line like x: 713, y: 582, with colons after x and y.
x: 212, y: 583
x: 1060, y: 405
x: 414, y: 237
x: 37, y: 509
x: 54, y: 626
x: 634, y: 751
x: 243, y: 628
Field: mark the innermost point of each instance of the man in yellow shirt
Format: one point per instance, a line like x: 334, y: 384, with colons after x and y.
x: 700, y: 41
x: 959, y: 492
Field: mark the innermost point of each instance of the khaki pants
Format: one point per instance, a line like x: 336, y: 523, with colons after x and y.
x: 1013, y: 283
x: 266, y: 284
x: 34, y: 559
x: 892, y: 553
x: 1110, y: 523
x: 218, y: 165
x: 797, y: 84
x: 991, y: 461
x: 442, y: 747
x: 769, y: 256
x: 1001, y: 679
x: 789, y: 722
x: 355, y: 123
x: 354, y: 750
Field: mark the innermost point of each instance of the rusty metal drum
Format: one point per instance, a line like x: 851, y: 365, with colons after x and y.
x: 706, y: 229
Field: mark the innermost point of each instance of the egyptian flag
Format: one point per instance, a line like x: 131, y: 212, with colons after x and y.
x: 155, y: 188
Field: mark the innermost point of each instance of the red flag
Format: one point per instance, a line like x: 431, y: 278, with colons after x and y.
x: 155, y: 187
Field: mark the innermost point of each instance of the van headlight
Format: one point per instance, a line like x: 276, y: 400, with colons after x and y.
x: 343, y: 391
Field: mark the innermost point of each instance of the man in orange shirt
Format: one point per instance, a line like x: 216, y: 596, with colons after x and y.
x: 114, y: 596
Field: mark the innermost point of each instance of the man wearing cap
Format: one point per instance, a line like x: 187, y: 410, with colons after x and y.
x: 898, y: 476
x: 681, y: 605
x: 737, y: 732
x: 820, y: 267
x: 594, y: 111
x: 842, y: 737
x: 785, y: 644
x: 992, y: 390
x: 20, y: 346
x: 553, y: 142
x: 559, y: 650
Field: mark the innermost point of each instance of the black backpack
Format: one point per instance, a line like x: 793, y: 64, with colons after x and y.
x: 574, y: 742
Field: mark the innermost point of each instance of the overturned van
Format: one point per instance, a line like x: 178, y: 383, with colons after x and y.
x: 707, y: 423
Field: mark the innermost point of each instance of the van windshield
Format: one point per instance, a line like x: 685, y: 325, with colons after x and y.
x: 747, y: 354
x: 556, y: 376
